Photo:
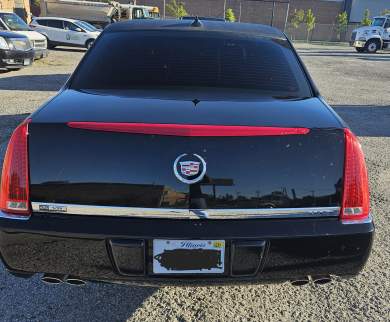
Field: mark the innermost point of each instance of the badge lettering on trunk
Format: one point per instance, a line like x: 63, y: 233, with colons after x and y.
x: 189, y: 168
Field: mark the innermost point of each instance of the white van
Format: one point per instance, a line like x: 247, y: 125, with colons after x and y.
x: 65, y: 32
x: 12, y: 22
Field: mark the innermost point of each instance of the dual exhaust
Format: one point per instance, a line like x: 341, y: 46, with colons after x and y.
x: 55, y: 279
x: 318, y: 280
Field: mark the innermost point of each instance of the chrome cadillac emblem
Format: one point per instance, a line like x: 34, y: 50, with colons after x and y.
x: 189, y: 168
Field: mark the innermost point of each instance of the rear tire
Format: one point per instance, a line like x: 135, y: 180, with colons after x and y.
x: 372, y: 46
x: 359, y: 49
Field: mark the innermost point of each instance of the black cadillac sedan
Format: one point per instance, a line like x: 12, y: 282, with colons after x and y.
x: 16, y: 51
x: 186, y: 152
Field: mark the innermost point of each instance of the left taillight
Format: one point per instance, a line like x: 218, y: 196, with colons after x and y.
x: 14, y: 193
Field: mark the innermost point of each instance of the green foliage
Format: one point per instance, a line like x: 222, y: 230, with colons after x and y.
x: 385, y: 12
x: 366, y: 21
x: 176, y: 9
x: 342, y: 23
x: 298, y: 18
x: 310, y: 21
x: 229, y: 15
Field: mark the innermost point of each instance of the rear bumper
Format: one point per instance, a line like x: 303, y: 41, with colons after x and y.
x: 120, y: 249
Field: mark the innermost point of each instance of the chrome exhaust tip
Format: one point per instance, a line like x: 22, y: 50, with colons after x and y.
x: 75, y: 281
x: 300, y: 282
x: 52, y: 279
x: 321, y: 280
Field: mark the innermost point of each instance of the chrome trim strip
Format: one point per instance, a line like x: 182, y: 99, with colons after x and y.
x: 4, y: 215
x: 88, y: 210
x: 367, y: 220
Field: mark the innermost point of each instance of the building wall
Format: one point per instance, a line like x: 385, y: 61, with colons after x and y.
x: 375, y: 7
x: 20, y: 7
x: 258, y: 11
x: 7, y: 5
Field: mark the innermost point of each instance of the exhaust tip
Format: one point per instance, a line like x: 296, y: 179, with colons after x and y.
x: 75, y: 281
x: 300, y: 282
x: 321, y: 280
x: 52, y: 279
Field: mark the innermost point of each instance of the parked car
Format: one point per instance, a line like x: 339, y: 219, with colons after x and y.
x: 66, y: 32
x: 10, y: 21
x: 151, y: 152
x: 16, y: 51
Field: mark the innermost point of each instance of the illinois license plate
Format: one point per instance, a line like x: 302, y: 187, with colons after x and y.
x: 188, y: 256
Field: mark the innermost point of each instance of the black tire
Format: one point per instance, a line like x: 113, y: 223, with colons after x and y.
x: 372, y: 46
x: 89, y: 43
x: 359, y: 49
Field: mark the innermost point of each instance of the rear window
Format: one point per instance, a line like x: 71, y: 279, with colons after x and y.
x: 128, y: 60
x: 42, y: 22
x: 55, y: 24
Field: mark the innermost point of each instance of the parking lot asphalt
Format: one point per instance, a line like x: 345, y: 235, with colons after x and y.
x: 357, y: 86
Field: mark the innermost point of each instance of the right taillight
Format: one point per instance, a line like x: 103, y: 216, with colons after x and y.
x: 356, y: 197
x: 14, y: 193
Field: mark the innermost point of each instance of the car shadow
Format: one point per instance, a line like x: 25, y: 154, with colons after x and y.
x: 51, y: 82
x: 65, y: 303
x: 307, y: 52
x: 366, y: 120
x: 70, y: 49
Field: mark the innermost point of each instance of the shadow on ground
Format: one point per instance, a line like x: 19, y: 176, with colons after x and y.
x: 379, y: 56
x: 51, y: 82
x: 70, y: 49
x: 64, y: 303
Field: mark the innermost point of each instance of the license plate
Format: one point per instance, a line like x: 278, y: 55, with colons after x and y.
x: 188, y: 256
x: 27, y: 62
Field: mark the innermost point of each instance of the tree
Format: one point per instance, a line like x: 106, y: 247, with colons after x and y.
x: 366, y: 21
x: 342, y: 24
x: 229, y: 15
x: 310, y: 21
x: 385, y: 12
x: 176, y: 9
x: 298, y: 18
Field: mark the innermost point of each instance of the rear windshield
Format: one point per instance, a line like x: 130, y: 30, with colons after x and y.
x: 128, y: 60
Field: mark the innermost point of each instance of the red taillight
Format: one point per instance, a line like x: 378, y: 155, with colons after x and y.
x: 189, y: 129
x: 356, y: 197
x: 14, y: 193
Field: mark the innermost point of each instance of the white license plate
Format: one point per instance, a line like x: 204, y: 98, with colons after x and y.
x: 27, y: 62
x: 188, y: 256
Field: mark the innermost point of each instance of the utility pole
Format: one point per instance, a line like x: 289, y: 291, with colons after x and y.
x: 273, y: 13
x: 287, y: 13
x: 239, y: 15
x: 224, y: 9
x: 163, y: 9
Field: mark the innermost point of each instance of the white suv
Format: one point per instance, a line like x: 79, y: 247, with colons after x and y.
x: 65, y: 32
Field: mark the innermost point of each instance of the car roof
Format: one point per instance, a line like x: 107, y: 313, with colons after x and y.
x: 188, y: 25
x: 55, y: 18
x: 11, y: 34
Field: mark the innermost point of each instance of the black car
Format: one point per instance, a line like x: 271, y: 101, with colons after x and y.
x: 199, y: 136
x: 15, y: 51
